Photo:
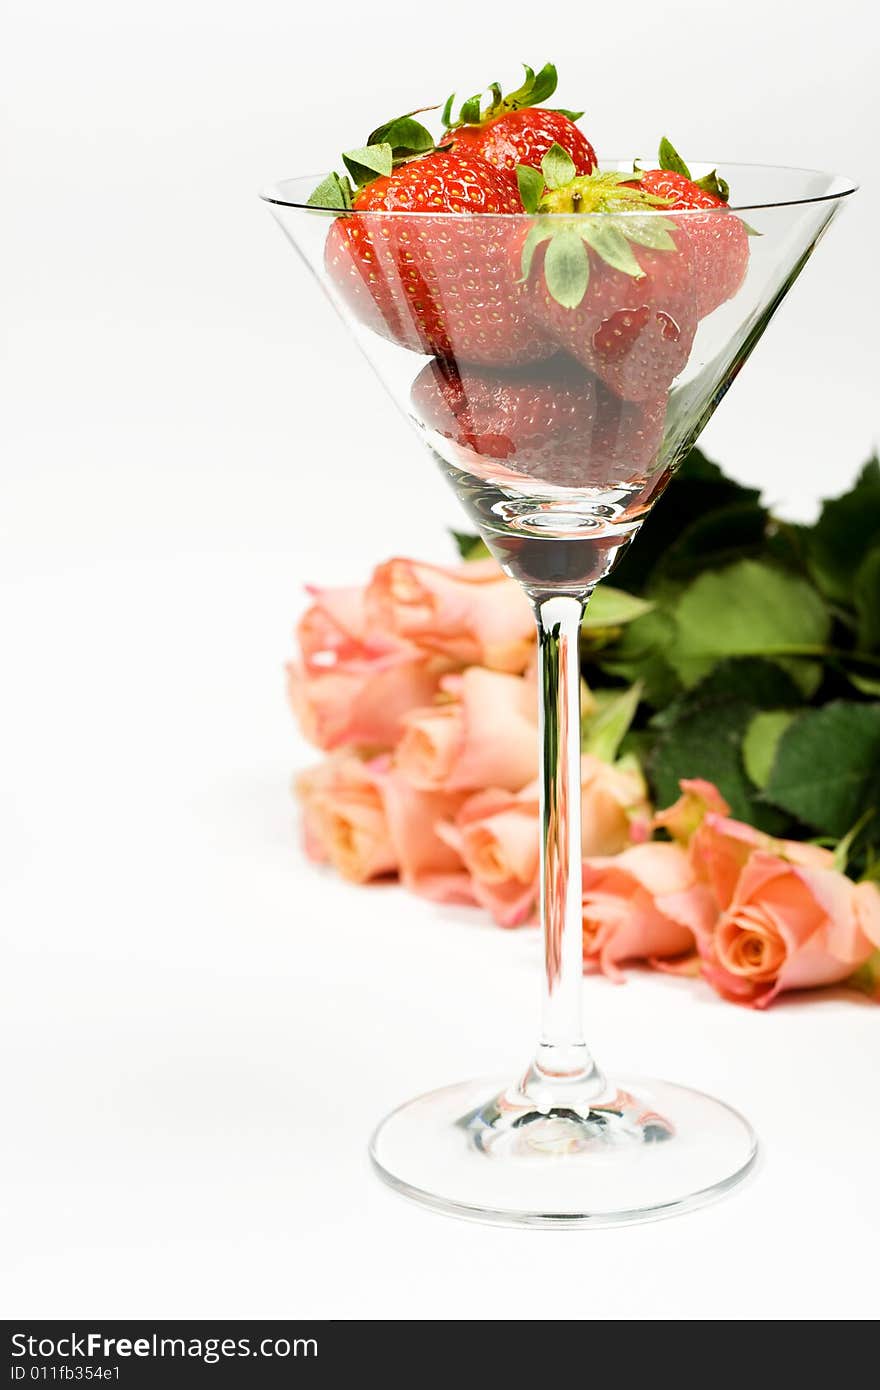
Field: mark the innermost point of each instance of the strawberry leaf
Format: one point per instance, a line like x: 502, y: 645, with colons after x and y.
x: 649, y: 231
x: 531, y: 186
x: 537, y: 233
x: 563, y: 111
x: 557, y: 166
x: 567, y: 268
x: 609, y: 242
x: 332, y: 192
x: 470, y: 111
x: 404, y: 135
x: 715, y: 184
x: 543, y: 85
x: 671, y: 160
x: 446, y: 113
x: 369, y: 162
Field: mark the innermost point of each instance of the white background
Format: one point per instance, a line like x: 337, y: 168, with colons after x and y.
x: 199, y: 1029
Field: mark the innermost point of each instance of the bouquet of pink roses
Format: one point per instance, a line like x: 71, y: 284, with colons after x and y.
x: 731, y: 745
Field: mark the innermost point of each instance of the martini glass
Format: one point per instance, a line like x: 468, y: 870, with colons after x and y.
x: 557, y: 445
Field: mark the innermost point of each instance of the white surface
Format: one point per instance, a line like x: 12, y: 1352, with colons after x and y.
x: 199, y: 1029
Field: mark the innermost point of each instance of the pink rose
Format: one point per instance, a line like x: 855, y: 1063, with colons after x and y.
x: 684, y: 817
x: 428, y: 865
x: 497, y: 835
x: 614, y: 806
x: 643, y: 904
x: 472, y: 614
x: 480, y: 732
x: 344, y: 819
x: 352, y: 687
x: 786, y: 918
x: 721, y: 848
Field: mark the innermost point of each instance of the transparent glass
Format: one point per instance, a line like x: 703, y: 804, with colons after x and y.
x: 558, y: 427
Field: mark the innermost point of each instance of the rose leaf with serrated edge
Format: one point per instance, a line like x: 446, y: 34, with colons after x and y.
x: 761, y: 740
x: 746, y: 609
x: 610, y: 607
x: 604, y: 730
x: 827, y: 766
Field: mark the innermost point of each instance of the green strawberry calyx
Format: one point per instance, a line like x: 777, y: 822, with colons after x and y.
x: 536, y: 89
x: 386, y: 148
x: 672, y: 162
x: 557, y: 188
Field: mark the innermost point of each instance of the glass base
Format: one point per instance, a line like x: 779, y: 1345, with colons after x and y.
x: 639, y: 1151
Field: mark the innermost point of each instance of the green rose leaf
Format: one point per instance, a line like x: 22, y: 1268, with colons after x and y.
x: 752, y: 680
x: 611, y: 607
x: 470, y: 547
x: 605, y: 729
x: 747, y: 609
x: 531, y: 186
x: 640, y: 654
x: 567, y: 269
x: 866, y: 594
x: 557, y: 166
x: 847, y: 529
x: 699, y: 487
x: 705, y: 739
x: 866, y: 685
x: 714, y: 541
x: 706, y: 728
x: 827, y: 767
x: 761, y: 740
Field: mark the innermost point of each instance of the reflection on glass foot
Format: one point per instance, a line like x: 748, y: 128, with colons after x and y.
x: 640, y: 1150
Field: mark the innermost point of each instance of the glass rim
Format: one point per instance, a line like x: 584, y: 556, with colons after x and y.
x: 272, y: 194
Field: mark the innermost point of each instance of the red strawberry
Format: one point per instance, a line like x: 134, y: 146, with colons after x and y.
x: 615, y: 291
x: 720, y: 241
x: 436, y: 284
x: 557, y: 423
x: 512, y: 130
x: 634, y: 332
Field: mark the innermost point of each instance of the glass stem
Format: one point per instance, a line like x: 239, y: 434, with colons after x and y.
x: 562, y: 1061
